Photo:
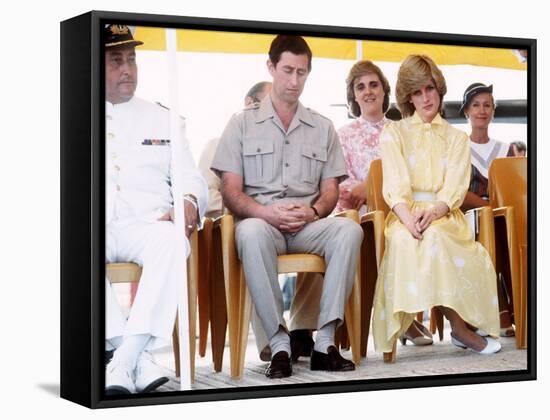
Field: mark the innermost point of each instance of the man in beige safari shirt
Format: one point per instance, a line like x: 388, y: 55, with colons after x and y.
x: 280, y: 165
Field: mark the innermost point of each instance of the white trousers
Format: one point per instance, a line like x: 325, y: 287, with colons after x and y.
x: 152, y: 246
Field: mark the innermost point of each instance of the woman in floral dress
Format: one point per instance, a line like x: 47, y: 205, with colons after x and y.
x: 368, y: 96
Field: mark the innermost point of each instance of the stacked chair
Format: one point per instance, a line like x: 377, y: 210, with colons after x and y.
x: 508, y: 197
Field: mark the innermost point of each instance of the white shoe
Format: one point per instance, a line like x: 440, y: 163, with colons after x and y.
x: 119, y: 378
x: 493, y: 346
x: 148, y: 375
x: 481, y: 333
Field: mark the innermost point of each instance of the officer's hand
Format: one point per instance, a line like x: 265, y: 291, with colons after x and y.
x: 191, y: 218
x: 166, y: 217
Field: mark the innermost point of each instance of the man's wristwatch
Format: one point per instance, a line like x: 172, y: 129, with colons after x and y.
x: 316, y: 217
x: 193, y: 200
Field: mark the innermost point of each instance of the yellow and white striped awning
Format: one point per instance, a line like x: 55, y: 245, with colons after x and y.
x: 243, y: 43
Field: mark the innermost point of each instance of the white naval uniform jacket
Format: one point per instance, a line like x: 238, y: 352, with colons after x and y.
x: 138, y: 164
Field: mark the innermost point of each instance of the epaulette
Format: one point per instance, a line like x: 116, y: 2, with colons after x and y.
x: 168, y: 109
x: 252, y: 106
x: 318, y: 113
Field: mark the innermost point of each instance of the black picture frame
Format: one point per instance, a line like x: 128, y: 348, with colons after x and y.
x: 83, y: 203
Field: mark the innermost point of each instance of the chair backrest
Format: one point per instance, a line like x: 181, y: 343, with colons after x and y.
x: 508, y: 187
x: 375, y: 198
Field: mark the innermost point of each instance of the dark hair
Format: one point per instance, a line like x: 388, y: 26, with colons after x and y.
x: 520, y: 146
x: 291, y: 43
x: 358, y: 70
x: 255, y: 90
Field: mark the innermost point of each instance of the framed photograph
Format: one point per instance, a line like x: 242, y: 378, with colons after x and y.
x: 394, y: 173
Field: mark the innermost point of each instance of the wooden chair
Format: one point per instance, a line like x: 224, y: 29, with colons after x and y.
x: 131, y: 273
x: 239, y: 305
x: 508, y: 184
x: 211, y: 292
x: 372, y: 247
x: 508, y: 197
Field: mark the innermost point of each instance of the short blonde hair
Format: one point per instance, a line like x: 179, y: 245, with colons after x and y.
x: 415, y: 72
x: 359, y: 69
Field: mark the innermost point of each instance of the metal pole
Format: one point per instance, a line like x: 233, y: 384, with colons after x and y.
x: 177, y: 153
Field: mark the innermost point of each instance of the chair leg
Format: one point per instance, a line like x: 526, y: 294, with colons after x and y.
x: 239, y: 308
x: 176, y: 348
x: 192, y: 288
x: 369, y: 276
x: 518, y: 273
x: 192, y: 331
x: 218, y: 307
x: 353, y: 317
x: 522, y: 320
x: 204, y: 285
x: 389, y: 357
x: 341, y: 339
x: 244, y: 325
x: 437, y: 322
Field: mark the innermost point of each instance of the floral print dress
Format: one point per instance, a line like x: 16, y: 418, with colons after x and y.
x: 360, y: 144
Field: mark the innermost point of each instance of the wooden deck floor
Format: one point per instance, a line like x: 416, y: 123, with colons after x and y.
x: 440, y: 358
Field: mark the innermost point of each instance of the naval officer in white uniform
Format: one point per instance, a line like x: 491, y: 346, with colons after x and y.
x: 139, y: 214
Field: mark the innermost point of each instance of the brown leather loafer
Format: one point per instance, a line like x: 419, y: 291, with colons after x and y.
x: 332, y: 361
x: 301, y: 344
x: 280, y: 366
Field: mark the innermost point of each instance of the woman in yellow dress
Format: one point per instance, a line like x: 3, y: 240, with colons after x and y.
x: 431, y: 258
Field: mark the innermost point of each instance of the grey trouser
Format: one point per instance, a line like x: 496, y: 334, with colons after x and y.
x: 337, y: 239
x: 304, y: 309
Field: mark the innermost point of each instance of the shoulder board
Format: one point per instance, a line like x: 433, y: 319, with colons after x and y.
x: 168, y: 109
x: 251, y: 107
x: 313, y: 112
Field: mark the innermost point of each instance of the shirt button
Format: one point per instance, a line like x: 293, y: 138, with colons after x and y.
x: 111, y: 135
x: 114, y: 155
x: 117, y: 167
x: 287, y: 142
x: 109, y: 117
x: 287, y: 165
x: 314, y: 154
x: 118, y: 187
x: 258, y: 150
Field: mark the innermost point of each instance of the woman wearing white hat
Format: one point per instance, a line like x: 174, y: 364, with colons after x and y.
x: 478, y: 105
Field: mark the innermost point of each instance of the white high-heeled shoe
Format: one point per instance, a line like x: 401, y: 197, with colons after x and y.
x: 425, y: 339
x: 481, y: 333
x: 493, y: 346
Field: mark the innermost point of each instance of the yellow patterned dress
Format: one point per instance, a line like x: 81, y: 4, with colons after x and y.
x: 423, y: 163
